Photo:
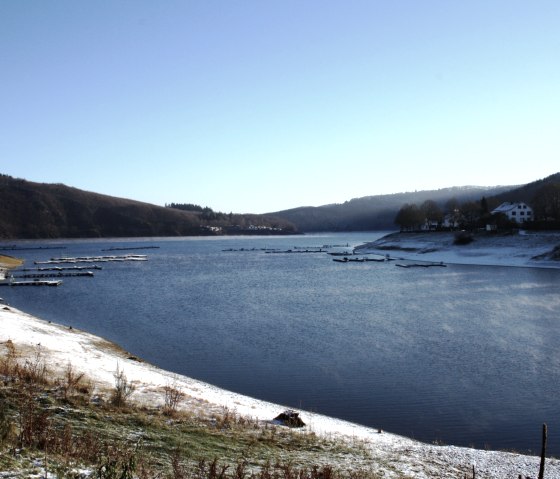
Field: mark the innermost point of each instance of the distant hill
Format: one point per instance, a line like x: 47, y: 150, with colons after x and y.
x: 377, y: 212
x: 39, y: 210
x: 525, y: 193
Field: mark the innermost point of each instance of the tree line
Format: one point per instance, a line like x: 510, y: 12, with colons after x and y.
x: 477, y: 214
x: 232, y: 223
x: 205, y: 213
x: 452, y: 215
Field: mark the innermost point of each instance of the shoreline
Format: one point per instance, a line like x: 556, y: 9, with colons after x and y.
x: 390, y: 453
x: 530, y: 250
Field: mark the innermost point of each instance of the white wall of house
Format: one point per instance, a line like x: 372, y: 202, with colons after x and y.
x: 518, y: 212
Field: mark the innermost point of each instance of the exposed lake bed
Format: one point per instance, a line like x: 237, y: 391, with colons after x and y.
x: 528, y: 249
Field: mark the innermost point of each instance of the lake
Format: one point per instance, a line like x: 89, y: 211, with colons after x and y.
x: 465, y: 355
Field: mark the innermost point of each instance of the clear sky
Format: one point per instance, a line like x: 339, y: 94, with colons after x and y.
x: 263, y: 105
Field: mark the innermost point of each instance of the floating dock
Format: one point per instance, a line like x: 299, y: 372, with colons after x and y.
x: 31, y: 283
x: 54, y: 275
x: 346, y: 259
x: 62, y: 268
x: 95, y: 259
x: 28, y: 248
x: 130, y: 248
x: 299, y: 251
x: 419, y: 265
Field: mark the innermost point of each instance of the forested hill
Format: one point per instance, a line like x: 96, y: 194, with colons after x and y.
x: 527, y: 193
x: 39, y: 210
x: 377, y: 212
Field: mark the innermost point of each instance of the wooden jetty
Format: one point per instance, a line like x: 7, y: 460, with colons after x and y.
x: 130, y: 248
x: 297, y: 251
x: 95, y: 259
x: 346, y: 259
x: 268, y: 250
x: 419, y: 265
x: 31, y: 283
x: 62, y: 268
x: 54, y: 275
x: 28, y: 248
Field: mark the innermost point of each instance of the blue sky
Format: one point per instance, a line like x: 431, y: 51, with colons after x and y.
x: 258, y: 106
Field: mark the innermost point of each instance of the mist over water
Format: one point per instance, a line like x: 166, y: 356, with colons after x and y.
x: 466, y: 355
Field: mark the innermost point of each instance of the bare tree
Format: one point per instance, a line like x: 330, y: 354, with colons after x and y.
x: 432, y: 212
x: 409, y: 217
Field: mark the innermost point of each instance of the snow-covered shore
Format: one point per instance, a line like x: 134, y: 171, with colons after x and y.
x: 389, y: 454
x: 523, y: 249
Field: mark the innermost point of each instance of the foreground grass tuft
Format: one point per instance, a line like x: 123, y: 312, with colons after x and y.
x: 52, y: 427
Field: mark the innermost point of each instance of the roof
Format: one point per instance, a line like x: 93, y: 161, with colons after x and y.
x: 508, y: 206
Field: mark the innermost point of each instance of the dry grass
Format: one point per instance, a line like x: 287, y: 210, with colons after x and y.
x: 54, y: 421
x: 9, y: 262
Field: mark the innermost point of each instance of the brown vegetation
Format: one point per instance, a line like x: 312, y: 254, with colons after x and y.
x: 39, y: 210
x: 54, y: 424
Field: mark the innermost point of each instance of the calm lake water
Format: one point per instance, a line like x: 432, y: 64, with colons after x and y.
x: 465, y: 355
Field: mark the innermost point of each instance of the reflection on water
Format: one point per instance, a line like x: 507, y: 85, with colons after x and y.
x: 464, y: 354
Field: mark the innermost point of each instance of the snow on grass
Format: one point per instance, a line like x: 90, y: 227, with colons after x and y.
x: 487, y: 249
x: 391, y: 455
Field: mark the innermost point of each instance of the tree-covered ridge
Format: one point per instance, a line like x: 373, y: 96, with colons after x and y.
x: 376, y: 212
x: 231, y: 223
x: 543, y: 196
x: 40, y: 210
x: 186, y: 207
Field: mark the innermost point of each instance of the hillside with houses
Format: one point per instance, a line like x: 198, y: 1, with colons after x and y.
x: 464, y: 207
x: 535, y: 206
x: 39, y: 210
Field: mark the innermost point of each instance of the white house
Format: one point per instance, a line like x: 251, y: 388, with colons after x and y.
x: 451, y: 220
x: 518, y: 212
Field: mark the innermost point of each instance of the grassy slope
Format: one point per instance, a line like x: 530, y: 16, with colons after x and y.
x: 58, y: 419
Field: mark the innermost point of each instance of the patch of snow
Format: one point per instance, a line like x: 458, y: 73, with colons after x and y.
x: 391, y: 455
x: 486, y: 250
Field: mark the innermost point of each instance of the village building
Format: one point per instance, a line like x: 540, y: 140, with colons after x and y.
x: 519, y: 212
x: 429, y: 225
x: 451, y: 220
